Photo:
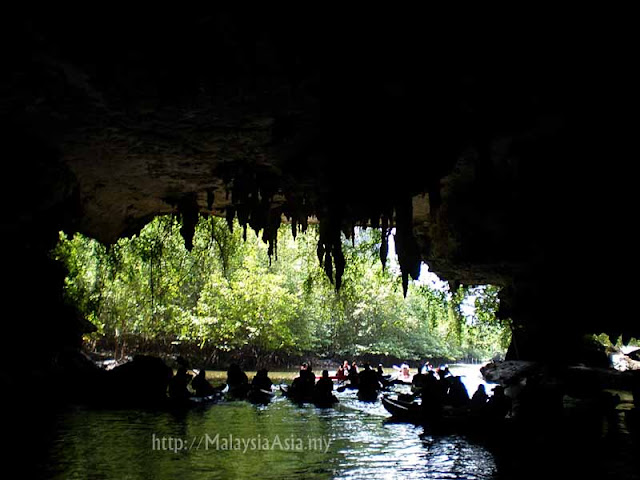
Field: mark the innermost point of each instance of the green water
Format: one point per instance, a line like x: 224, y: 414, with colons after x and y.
x: 240, y: 440
x: 354, y: 440
x: 281, y: 440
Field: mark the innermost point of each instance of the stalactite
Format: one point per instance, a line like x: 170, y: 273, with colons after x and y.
x: 271, y: 233
x: 230, y: 215
x: 384, y: 247
x: 406, y: 246
x: 189, y: 210
x: 242, y: 210
x: 384, y: 243
x: 329, y: 249
x: 328, y: 266
x: 210, y: 199
x: 253, y: 199
x: 340, y: 264
x: 320, y: 252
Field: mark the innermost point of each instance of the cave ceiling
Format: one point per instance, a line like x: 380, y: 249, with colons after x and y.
x: 474, y: 150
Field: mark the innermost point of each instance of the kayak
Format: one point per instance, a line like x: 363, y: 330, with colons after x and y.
x: 260, y: 396
x: 367, y: 395
x: 298, y: 397
x: 238, y: 392
x: 320, y: 402
x: 413, y: 412
x: 325, y: 402
x: 406, y: 411
x: 449, y: 419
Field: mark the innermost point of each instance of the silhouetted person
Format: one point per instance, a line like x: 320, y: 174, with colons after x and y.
x: 444, y: 373
x: 307, y: 375
x: 457, y: 395
x: 237, y: 381
x: 368, y: 380
x: 432, y: 396
x: 480, y: 398
x: 382, y: 378
x: 235, y: 376
x: 303, y: 385
x: 499, y: 405
x: 201, y: 386
x: 418, y: 381
x: 261, y: 380
x: 324, y: 386
x: 178, y: 385
x: 431, y: 383
x: 353, y: 377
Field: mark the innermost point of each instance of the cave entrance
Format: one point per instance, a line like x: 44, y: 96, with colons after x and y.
x: 228, y: 298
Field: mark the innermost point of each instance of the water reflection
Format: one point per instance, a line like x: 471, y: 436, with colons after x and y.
x: 360, y: 442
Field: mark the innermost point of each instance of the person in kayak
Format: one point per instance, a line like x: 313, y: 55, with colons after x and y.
x: 324, y: 386
x: 201, y: 386
x: 479, y: 399
x: 261, y: 380
x: 178, y: 385
x: 457, y: 395
x: 499, y: 405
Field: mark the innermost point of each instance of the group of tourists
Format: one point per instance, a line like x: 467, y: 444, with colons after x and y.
x: 438, y: 387
x: 358, y: 377
x: 180, y: 382
x: 305, y: 388
x: 237, y: 384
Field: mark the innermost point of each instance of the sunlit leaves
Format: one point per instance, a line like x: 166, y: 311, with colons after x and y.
x: 226, y: 294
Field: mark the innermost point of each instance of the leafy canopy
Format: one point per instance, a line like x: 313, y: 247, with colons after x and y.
x: 227, y: 295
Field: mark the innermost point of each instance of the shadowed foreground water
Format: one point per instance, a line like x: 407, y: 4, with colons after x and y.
x: 354, y: 440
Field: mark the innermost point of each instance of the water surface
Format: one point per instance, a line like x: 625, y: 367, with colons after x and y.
x: 354, y: 440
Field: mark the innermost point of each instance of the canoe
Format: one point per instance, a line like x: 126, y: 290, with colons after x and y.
x: 399, y: 382
x: 260, y: 396
x: 406, y: 411
x: 296, y: 397
x: 238, y: 392
x: 367, y: 395
x: 320, y: 402
x: 449, y: 417
x: 203, y: 400
x: 326, y: 401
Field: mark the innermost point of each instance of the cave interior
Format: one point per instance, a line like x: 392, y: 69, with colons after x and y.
x: 495, y: 157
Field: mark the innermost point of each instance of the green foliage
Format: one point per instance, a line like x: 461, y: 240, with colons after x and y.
x: 227, y: 294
